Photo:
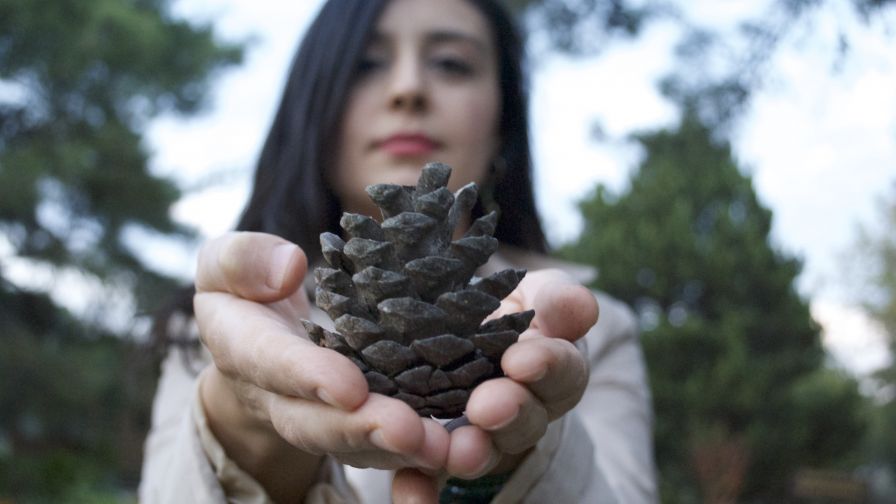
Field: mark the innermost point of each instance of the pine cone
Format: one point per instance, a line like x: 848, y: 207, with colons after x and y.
x: 405, y: 304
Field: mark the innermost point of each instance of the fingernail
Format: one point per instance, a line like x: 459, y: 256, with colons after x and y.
x: 505, y: 423
x: 325, y: 396
x: 536, y: 376
x: 488, y: 465
x: 377, y: 438
x: 281, y: 256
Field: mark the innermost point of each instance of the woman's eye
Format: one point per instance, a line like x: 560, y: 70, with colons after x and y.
x: 453, y: 66
x: 369, y: 64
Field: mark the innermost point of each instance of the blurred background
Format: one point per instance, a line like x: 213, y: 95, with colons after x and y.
x: 727, y: 166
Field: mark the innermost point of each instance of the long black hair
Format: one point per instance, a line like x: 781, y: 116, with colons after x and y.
x: 290, y: 195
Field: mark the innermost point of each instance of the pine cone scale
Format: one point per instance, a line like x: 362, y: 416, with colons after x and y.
x: 442, y: 350
x: 415, y: 380
x: 389, y: 356
x: 411, y: 318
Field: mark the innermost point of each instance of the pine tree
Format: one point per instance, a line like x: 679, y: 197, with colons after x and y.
x: 80, y: 80
x: 735, y: 359
x: 876, y: 251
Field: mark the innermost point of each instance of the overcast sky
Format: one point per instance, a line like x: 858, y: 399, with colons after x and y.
x: 820, y: 145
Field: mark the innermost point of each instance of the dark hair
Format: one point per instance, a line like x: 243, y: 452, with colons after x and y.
x: 290, y: 196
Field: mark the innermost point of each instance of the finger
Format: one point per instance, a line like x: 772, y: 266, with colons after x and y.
x: 410, y: 486
x: 381, y: 426
x: 256, y: 266
x: 513, y: 416
x: 433, y: 451
x: 564, y: 310
x: 249, y: 343
x: 554, y: 370
x: 429, y: 459
x: 471, y: 453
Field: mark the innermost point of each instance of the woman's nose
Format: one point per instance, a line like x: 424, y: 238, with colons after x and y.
x: 408, y: 86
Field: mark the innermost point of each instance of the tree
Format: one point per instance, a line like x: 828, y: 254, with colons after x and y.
x: 876, y: 249
x: 717, y: 72
x: 741, y: 395
x: 879, y: 248
x: 80, y: 81
x: 585, y: 26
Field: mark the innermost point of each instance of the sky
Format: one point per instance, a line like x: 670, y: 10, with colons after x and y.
x: 820, y: 144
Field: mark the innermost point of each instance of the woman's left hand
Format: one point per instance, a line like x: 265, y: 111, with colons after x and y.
x: 546, y: 376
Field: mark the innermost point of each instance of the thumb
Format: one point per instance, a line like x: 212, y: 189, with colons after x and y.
x: 565, y: 310
x: 256, y: 266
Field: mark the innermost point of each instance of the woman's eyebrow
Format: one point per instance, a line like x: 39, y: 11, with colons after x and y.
x: 443, y: 36
x: 434, y: 37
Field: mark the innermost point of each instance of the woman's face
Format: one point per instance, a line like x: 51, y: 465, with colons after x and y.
x: 427, y: 90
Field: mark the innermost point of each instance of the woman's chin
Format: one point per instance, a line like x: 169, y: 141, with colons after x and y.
x: 405, y: 174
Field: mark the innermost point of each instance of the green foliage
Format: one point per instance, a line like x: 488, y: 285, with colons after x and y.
x: 584, y: 26
x: 80, y: 81
x: 73, y: 404
x: 734, y: 357
x: 89, y: 75
x: 877, y: 250
x: 883, y: 439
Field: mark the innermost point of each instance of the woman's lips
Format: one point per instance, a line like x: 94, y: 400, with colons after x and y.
x: 408, y: 145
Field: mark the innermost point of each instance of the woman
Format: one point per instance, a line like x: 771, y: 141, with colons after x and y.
x: 273, y: 416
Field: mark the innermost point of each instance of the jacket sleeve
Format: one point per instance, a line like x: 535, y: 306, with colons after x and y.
x: 602, y: 450
x: 175, y: 468
x: 183, y: 462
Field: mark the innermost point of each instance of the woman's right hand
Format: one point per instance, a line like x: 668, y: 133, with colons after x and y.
x: 276, y: 401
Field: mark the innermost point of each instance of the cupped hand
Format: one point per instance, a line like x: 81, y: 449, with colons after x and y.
x: 545, y: 377
x: 272, y: 397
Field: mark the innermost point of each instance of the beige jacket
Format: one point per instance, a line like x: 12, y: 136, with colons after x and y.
x: 601, y: 452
